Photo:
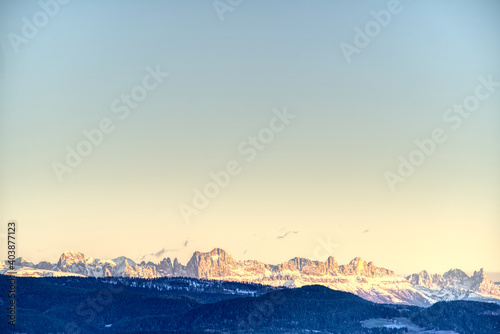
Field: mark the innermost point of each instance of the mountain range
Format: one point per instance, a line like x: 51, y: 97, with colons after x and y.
x: 359, y: 277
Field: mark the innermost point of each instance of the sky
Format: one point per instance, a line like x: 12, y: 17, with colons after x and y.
x: 309, y: 112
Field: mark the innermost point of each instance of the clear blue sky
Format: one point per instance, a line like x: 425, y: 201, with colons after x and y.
x: 322, y: 176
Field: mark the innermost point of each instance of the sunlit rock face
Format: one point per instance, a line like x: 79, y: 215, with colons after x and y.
x: 361, y: 268
x: 423, y: 278
x: 482, y: 284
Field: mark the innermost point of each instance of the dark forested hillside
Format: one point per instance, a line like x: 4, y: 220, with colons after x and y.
x: 460, y: 316
x: 181, y: 305
x: 310, y: 307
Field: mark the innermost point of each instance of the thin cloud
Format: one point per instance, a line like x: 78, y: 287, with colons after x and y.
x: 366, y: 231
x: 159, y: 253
x: 162, y: 251
x: 286, y: 234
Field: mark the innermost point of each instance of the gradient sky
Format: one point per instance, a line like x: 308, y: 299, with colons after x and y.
x: 322, y: 176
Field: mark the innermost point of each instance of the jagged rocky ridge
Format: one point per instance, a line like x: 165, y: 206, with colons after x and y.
x: 455, y: 284
x: 359, y: 277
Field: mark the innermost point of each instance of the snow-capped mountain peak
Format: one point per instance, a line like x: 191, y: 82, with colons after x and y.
x: 69, y: 258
